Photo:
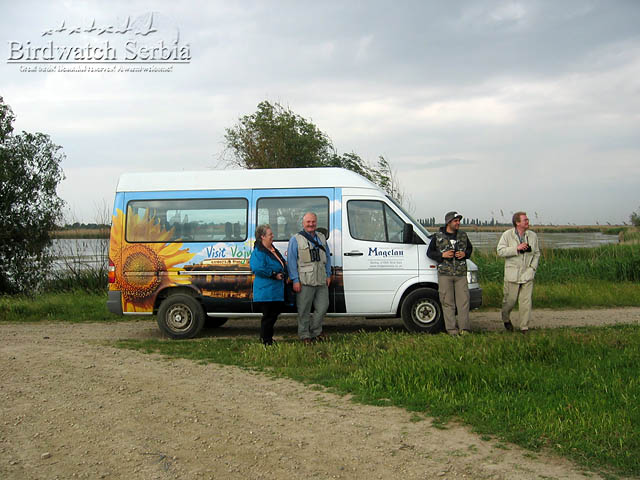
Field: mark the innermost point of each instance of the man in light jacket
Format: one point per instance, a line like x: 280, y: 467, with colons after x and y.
x: 521, y: 252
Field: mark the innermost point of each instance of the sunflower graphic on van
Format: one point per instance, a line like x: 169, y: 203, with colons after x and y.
x: 142, y: 269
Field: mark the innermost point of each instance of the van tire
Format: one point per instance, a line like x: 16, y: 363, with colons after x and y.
x: 180, y: 316
x: 421, y: 311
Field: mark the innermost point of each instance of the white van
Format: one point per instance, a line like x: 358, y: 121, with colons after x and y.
x: 181, y: 241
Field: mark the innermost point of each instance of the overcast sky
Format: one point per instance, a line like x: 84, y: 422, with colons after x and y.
x: 484, y: 107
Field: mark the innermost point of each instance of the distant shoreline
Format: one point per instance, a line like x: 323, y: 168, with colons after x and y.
x: 82, y: 233
x: 607, y: 230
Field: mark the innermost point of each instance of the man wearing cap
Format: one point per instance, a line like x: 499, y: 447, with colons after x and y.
x: 451, y: 247
x: 519, y: 247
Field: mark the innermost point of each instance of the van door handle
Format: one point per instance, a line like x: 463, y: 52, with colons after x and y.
x: 353, y: 254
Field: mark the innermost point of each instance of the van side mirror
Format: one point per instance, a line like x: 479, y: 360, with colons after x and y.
x: 407, y: 233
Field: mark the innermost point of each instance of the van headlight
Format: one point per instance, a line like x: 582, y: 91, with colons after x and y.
x: 472, y: 276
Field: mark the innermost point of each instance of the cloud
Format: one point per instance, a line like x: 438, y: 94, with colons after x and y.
x: 546, y: 92
x: 445, y: 162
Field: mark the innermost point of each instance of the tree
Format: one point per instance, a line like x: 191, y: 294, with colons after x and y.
x: 275, y: 137
x: 635, y: 218
x: 29, y: 205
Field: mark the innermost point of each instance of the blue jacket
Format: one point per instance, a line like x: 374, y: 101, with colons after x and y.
x: 265, y: 266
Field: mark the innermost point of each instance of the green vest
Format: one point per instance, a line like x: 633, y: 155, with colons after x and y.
x: 452, y: 266
x: 311, y: 273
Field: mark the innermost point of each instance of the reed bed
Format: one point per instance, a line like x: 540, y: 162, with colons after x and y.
x: 82, y: 233
x: 613, y: 263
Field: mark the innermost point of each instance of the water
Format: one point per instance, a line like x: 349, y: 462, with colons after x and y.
x: 92, y: 252
x: 486, y: 241
x: 79, y: 253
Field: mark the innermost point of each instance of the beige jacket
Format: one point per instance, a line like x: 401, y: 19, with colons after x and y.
x: 519, y: 267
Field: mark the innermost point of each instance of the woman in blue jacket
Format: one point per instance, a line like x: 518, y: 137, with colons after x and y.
x: 269, y: 268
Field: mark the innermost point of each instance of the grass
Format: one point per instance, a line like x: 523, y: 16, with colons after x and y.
x: 612, y: 263
x: 73, y: 306
x: 573, y: 391
x: 630, y: 235
x: 573, y: 295
x: 606, y: 276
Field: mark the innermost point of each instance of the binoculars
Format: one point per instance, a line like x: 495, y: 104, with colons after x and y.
x: 315, y: 254
x: 528, y: 249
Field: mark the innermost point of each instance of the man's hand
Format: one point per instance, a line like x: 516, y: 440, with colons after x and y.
x: 447, y: 254
x: 460, y: 255
x: 297, y: 287
x: 328, y: 281
x: 522, y: 247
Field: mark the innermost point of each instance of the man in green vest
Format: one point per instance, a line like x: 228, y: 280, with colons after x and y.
x: 451, y: 247
x: 309, y: 264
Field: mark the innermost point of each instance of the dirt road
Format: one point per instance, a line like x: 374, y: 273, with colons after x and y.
x: 74, y: 407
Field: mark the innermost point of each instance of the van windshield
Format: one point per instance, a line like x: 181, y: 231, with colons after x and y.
x: 413, y: 220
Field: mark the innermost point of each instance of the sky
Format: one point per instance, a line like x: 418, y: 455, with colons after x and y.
x: 483, y: 107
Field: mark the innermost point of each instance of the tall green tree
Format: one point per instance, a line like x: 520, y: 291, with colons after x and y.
x: 29, y: 205
x: 276, y: 137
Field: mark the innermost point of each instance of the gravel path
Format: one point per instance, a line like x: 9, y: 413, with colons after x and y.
x: 75, y: 407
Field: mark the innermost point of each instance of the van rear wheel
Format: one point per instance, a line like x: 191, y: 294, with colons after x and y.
x: 422, y: 312
x: 180, y: 316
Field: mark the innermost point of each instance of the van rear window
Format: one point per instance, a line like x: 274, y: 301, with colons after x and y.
x: 187, y: 220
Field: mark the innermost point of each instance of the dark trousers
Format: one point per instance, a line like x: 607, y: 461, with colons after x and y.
x: 270, y: 312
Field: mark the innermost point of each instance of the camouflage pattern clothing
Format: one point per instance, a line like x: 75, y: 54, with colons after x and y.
x: 453, y: 289
x: 443, y: 241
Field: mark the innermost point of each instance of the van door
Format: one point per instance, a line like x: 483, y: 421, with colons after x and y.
x: 283, y: 210
x: 376, y: 262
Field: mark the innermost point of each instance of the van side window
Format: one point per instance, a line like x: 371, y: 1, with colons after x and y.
x: 284, y: 214
x: 189, y: 220
x: 374, y: 221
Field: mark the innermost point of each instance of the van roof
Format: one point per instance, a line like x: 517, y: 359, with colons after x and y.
x: 239, y: 179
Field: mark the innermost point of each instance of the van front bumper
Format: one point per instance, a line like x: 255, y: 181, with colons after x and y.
x: 475, y: 298
x: 114, y: 301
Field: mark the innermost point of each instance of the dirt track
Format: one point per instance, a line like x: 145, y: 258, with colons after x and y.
x: 74, y: 407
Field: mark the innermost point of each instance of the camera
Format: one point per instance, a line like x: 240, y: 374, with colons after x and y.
x: 528, y: 249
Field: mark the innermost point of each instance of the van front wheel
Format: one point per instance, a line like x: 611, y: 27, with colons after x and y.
x: 422, y: 312
x: 180, y: 316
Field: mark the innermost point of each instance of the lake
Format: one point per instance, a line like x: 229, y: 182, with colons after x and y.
x: 486, y: 241
x: 91, y: 251
x: 79, y: 252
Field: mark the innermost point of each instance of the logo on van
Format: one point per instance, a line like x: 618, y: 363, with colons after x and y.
x: 242, y: 252
x: 385, y: 252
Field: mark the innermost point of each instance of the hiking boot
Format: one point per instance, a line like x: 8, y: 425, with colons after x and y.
x: 508, y: 326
